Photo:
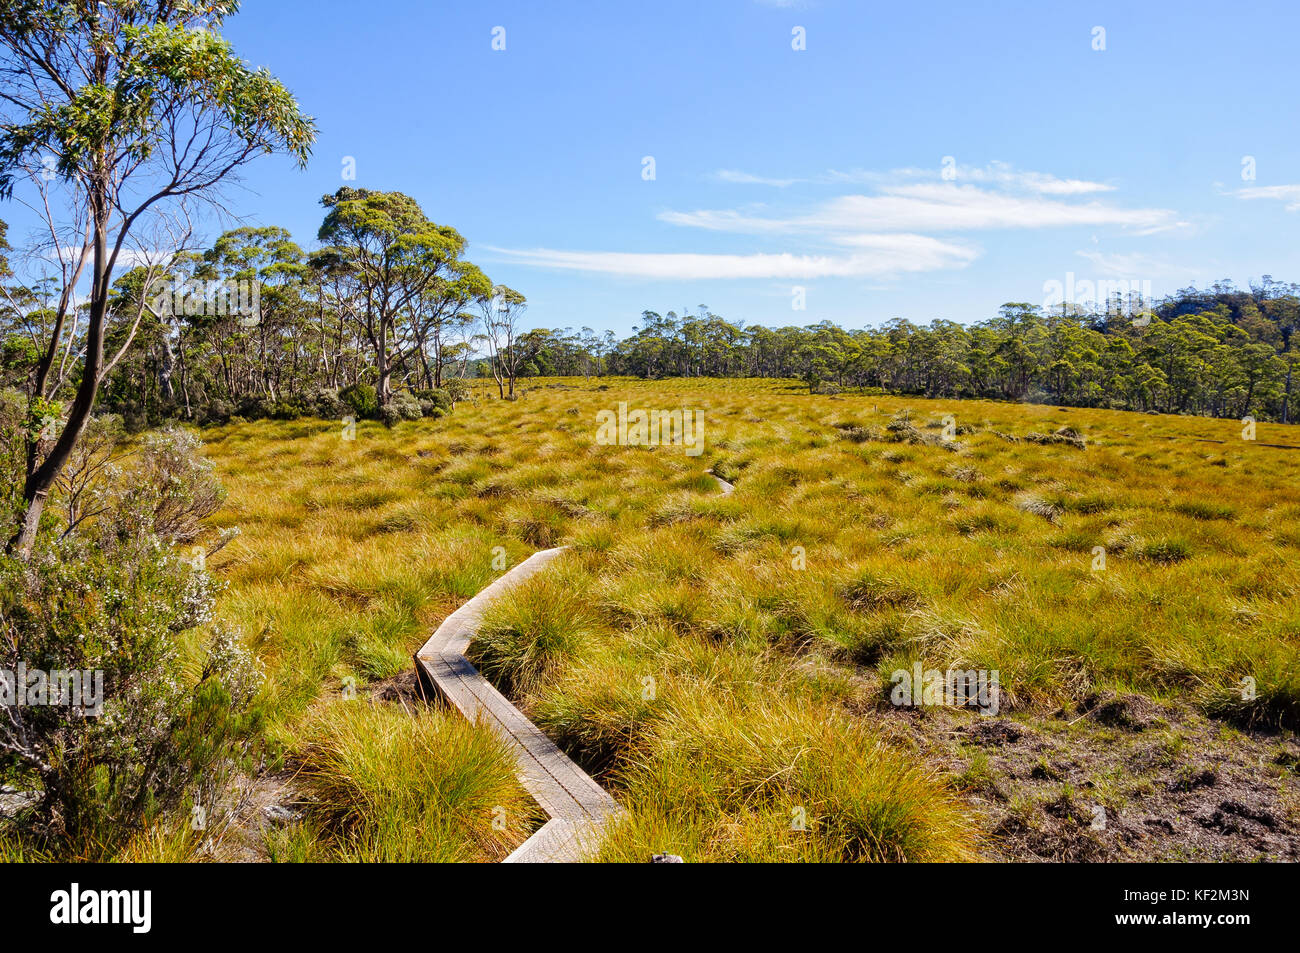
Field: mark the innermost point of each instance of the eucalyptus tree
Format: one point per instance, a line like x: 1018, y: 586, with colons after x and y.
x: 259, y: 273
x: 116, y: 116
x: 395, y: 255
x: 329, y: 279
x: 441, y: 315
x: 501, y: 312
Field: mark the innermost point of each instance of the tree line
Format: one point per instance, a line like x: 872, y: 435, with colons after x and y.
x: 388, y: 316
x: 386, y: 308
x: 1221, y: 352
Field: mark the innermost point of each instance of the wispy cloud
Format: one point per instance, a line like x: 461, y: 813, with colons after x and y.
x: 886, y: 231
x: 874, y: 255
x: 746, y: 178
x: 1133, y: 265
x: 1290, y: 194
x: 939, y: 206
x: 999, y: 174
x: 1004, y: 176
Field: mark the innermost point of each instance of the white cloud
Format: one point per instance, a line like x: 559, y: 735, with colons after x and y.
x: 887, y: 232
x: 1004, y: 176
x: 940, y: 206
x: 999, y: 174
x: 745, y: 178
x: 1290, y: 194
x: 876, y: 255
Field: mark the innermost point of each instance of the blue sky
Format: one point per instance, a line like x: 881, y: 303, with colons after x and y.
x: 820, y: 168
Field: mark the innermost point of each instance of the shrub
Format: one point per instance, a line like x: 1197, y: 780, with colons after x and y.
x: 113, y: 598
x: 324, y: 402
x: 362, y: 399
x: 434, y: 403
x: 218, y: 411
x: 169, y: 493
x: 439, y: 396
x: 401, y: 406
x: 13, y: 439
x: 257, y: 408
x: 457, y: 389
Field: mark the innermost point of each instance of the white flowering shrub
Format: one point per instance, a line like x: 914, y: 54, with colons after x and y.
x: 115, y: 596
x: 169, y: 491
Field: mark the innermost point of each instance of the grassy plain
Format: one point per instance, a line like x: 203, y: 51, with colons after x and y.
x: 723, y: 664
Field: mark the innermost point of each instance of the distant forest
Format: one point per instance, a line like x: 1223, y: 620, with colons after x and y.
x: 388, y: 319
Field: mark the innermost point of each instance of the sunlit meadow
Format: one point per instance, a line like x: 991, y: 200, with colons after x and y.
x: 722, y: 664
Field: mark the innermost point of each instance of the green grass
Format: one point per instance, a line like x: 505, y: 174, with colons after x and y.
x: 721, y: 661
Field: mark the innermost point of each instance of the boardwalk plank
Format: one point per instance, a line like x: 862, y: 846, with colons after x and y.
x: 578, y: 807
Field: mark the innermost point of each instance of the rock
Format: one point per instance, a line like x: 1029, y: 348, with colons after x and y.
x: 666, y: 859
x: 280, y: 815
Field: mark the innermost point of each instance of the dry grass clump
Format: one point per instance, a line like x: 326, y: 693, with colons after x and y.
x: 387, y: 785
x: 726, y: 779
x: 1066, y: 435
x: 524, y: 637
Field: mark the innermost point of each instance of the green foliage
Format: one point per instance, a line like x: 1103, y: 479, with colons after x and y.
x: 362, y: 399
x: 457, y: 389
x: 403, y: 405
x: 113, y: 598
x: 13, y: 445
x: 144, y: 61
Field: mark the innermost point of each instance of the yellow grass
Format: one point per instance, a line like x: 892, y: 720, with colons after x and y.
x: 721, y: 662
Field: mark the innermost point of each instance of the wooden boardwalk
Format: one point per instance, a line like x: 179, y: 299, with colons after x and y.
x: 577, y: 807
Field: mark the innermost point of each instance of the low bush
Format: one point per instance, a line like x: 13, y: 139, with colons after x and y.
x: 362, y: 399
x: 401, y: 406
x: 160, y: 727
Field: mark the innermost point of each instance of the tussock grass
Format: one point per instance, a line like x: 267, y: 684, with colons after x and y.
x: 524, y: 637
x: 858, y: 541
x: 768, y: 781
x: 387, y: 785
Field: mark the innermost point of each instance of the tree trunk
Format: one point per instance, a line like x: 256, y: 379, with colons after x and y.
x: 1286, y: 397
x: 383, y: 387
x: 40, y: 479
